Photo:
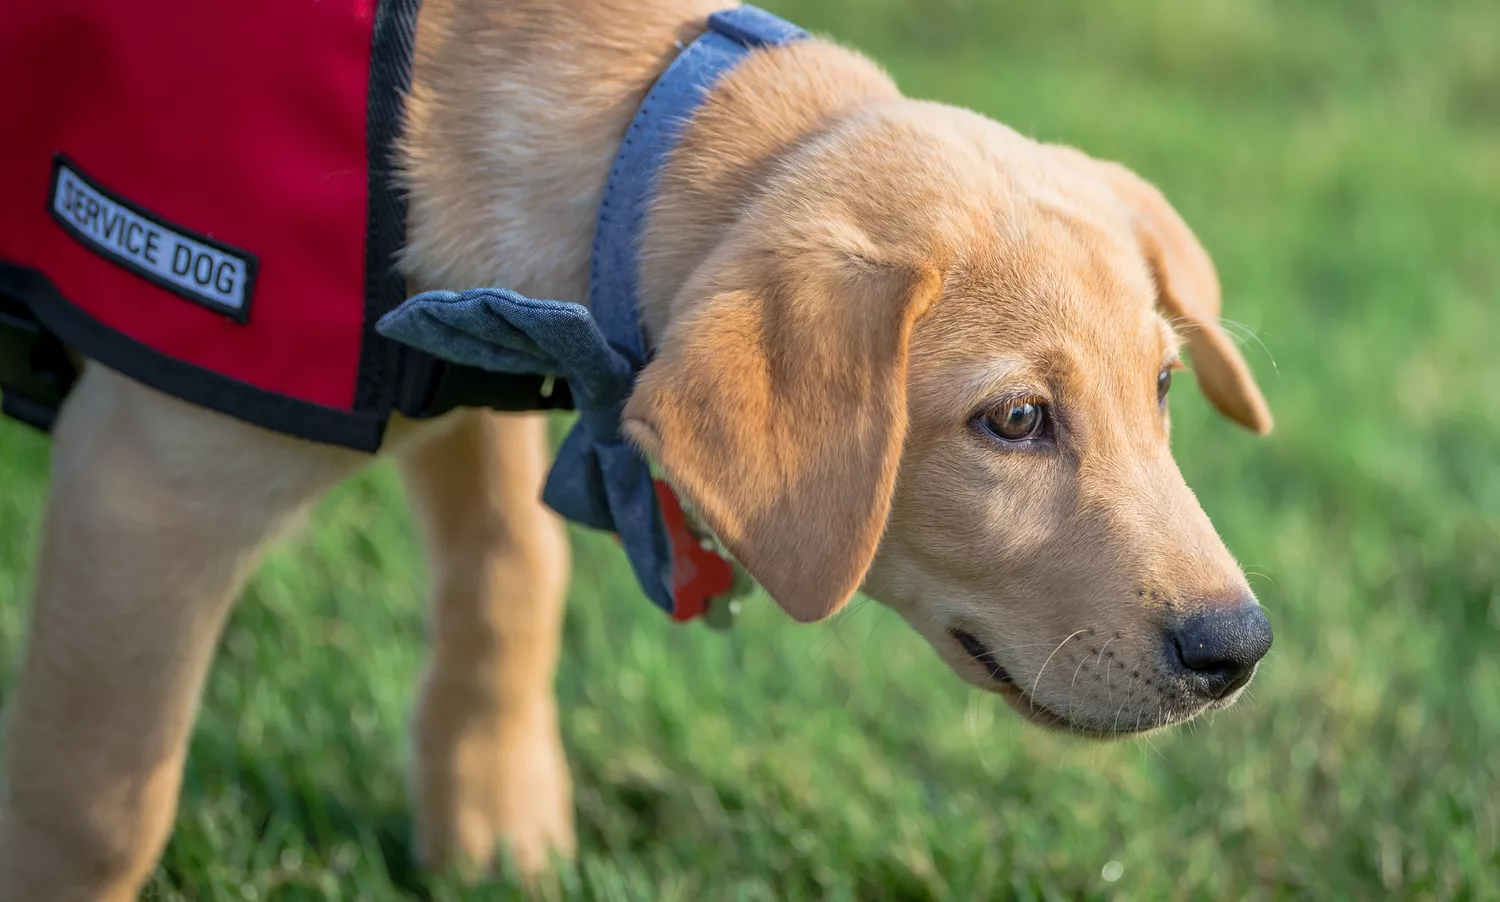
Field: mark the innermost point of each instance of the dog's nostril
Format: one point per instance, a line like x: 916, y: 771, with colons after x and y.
x: 1220, y: 647
x: 1219, y: 677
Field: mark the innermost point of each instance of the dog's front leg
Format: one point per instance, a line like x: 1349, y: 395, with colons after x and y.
x: 158, y: 510
x: 490, y: 768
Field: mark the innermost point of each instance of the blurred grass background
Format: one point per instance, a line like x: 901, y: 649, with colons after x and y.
x: 1341, y: 161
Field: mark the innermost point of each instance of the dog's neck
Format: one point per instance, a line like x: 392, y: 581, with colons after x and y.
x: 733, y: 145
x: 516, y: 114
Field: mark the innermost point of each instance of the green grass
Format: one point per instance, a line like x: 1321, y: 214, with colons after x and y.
x: 1341, y: 160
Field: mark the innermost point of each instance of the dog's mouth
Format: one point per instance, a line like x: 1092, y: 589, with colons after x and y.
x: 982, y: 654
x: 1004, y: 685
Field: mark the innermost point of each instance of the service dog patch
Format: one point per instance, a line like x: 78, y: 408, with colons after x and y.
x: 178, y: 259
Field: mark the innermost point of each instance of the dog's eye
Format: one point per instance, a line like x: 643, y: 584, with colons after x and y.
x: 1016, y: 421
x: 1163, y: 385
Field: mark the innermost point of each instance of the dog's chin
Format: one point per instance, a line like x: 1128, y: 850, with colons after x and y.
x: 982, y: 668
x: 1041, y: 716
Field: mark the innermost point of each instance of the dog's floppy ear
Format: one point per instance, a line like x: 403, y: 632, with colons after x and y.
x: 777, y: 407
x: 1188, y: 292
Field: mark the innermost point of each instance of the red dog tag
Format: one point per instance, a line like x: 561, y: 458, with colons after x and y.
x: 699, y: 574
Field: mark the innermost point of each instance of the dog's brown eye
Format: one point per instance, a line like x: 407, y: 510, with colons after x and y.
x: 1017, y: 421
x: 1163, y: 385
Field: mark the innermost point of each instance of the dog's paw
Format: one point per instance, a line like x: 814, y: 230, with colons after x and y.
x: 502, y: 791
x: 532, y: 820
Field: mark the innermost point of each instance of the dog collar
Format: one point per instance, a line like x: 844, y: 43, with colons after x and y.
x: 598, y: 479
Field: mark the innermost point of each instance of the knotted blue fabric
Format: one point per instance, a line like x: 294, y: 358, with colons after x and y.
x: 598, y: 479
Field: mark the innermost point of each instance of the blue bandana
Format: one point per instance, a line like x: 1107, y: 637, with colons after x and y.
x: 598, y: 479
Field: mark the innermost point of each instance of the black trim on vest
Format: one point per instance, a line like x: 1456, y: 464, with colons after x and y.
x: 36, y: 373
x: 83, y: 333
x: 381, y: 361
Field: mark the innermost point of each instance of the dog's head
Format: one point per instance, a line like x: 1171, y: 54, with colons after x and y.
x: 931, y: 361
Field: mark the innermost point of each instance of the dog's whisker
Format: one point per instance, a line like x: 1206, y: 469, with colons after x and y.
x: 1074, y: 684
x: 1181, y: 324
x: 972, y: 725
x: 1261, y: 573
x: 836, y: 624
x: 1116, y: 725
x: 1251, y: 333
x: 1103, y: 648
x: 1236, y: 332
x: 1043, y: 668
x: 1109, y: 696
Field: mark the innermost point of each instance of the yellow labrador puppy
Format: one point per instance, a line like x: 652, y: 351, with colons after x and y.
x: 898, y: 347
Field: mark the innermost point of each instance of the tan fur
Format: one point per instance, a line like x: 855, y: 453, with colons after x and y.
x: 837, y: 280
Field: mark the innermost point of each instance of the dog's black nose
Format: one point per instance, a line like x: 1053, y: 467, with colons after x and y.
x: 1218, y: 648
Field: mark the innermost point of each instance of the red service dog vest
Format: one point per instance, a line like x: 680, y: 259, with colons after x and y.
x: 200, y: 195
